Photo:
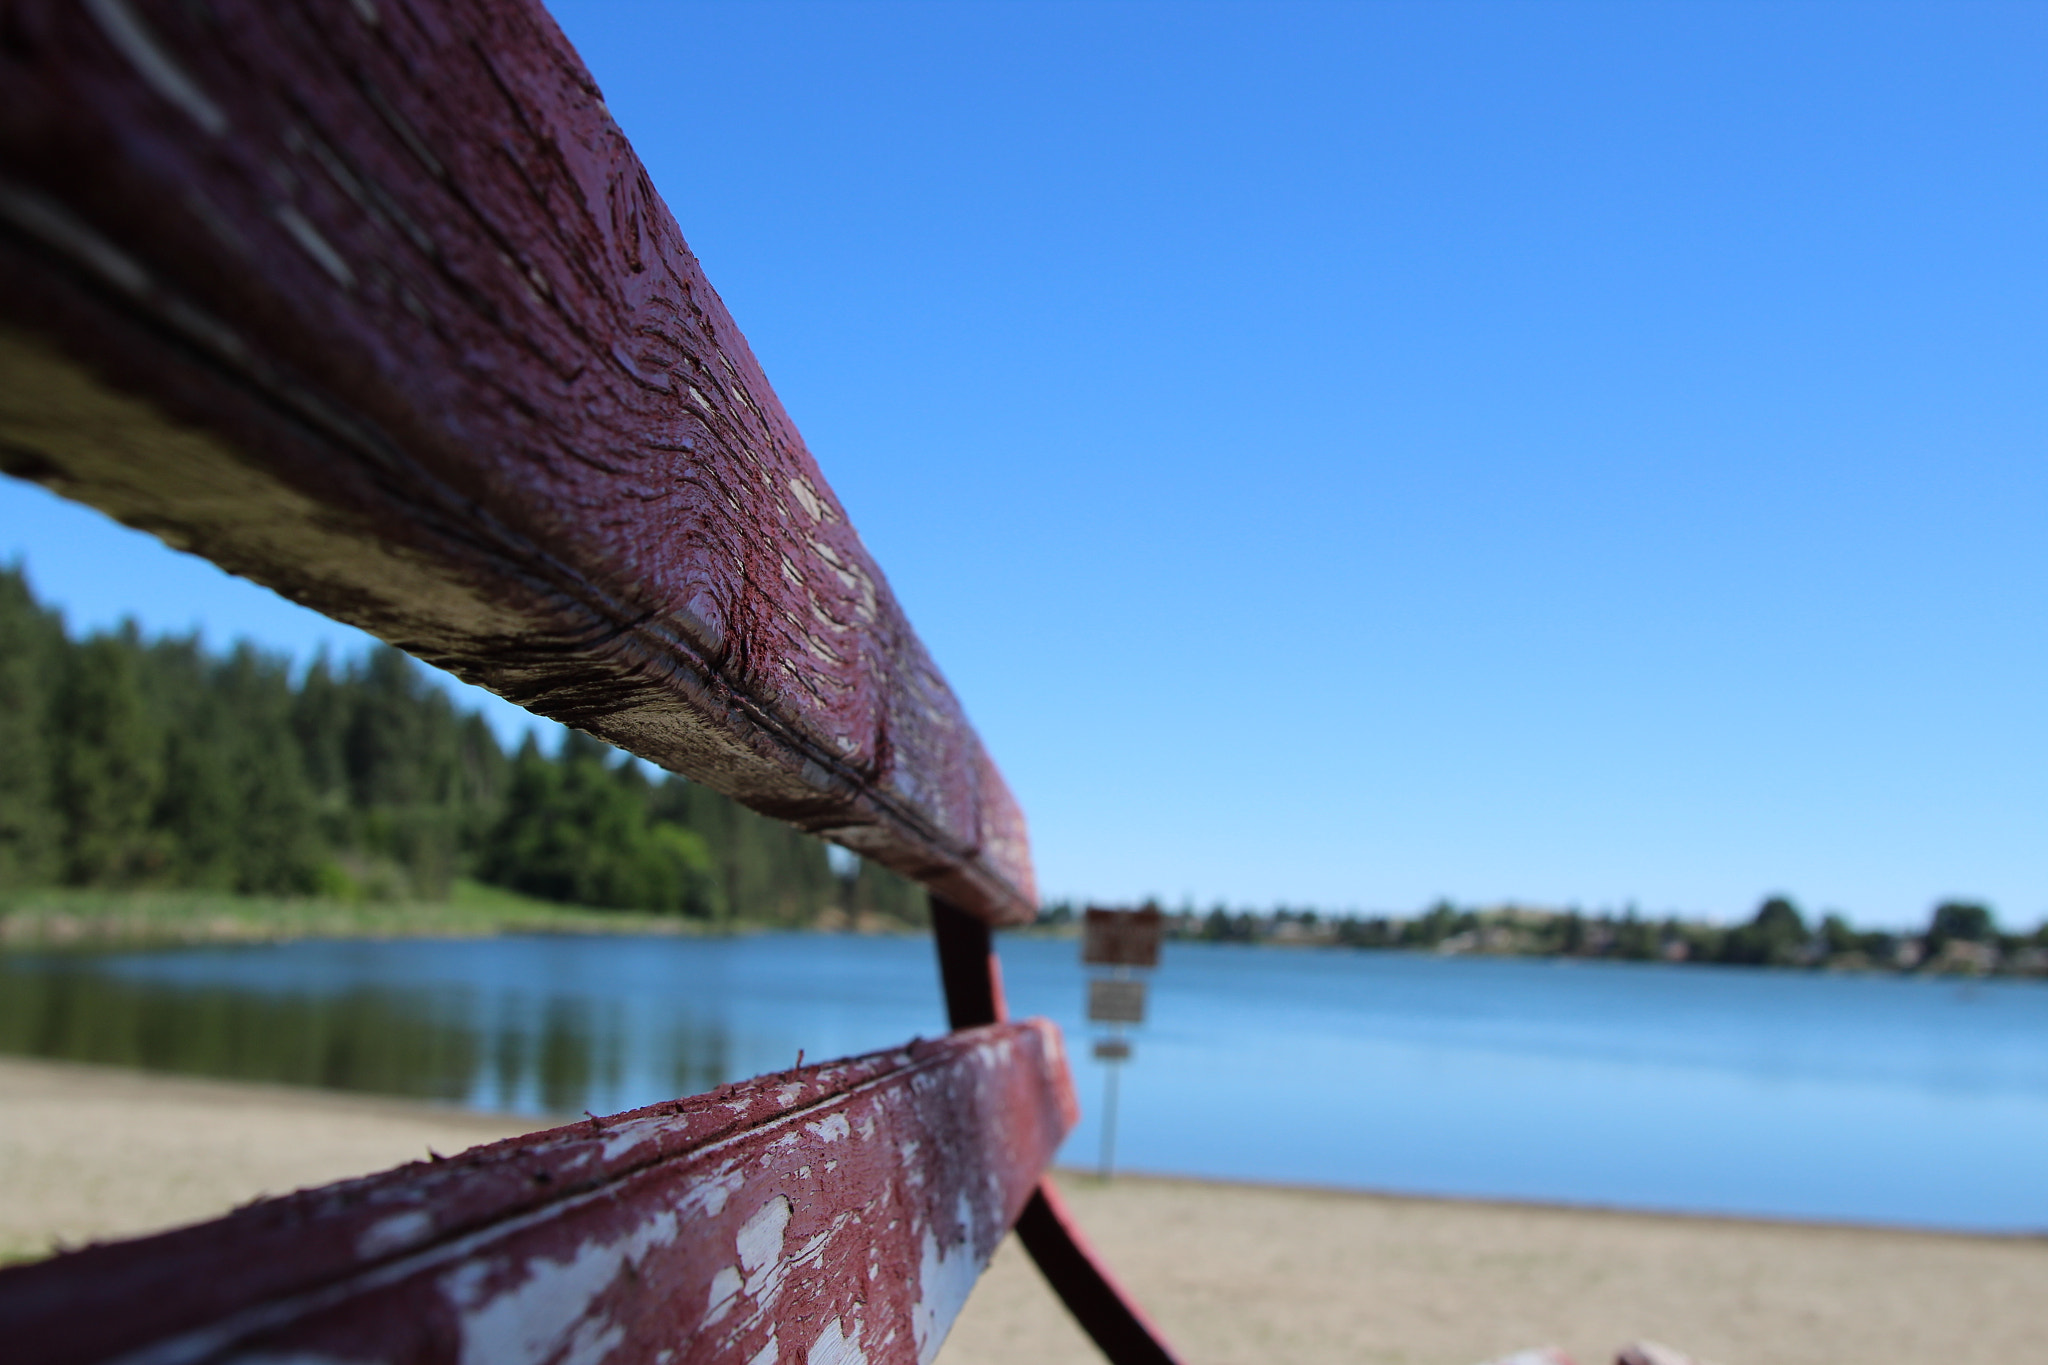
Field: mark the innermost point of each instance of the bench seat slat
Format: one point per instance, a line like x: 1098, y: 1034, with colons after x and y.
x: 835, y: 1213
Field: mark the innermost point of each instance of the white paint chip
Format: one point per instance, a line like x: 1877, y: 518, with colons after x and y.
x: 314, y: 245
x: 806, y: 495
x: 725, y: 1289
x: 47, y: 219
x: 831, y: 1128
x: 626, y: 1136
x: 834, y: 1347
x: 710, y: 1193
x: 945, y: 1277
x: 760, y: 1240
x: 387, y: 1235
x: 544, y: 1319
x: 126, y: 31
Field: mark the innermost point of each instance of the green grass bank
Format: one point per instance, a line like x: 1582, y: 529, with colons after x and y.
x: 65, y: 917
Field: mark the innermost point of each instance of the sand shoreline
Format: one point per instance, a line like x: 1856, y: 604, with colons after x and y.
x: 1234, y: 1273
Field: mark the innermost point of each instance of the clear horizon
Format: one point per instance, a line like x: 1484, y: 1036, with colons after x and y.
x: 1354, y: 455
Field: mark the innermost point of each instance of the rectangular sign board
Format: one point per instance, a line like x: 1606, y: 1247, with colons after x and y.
x: 1112, y: 1049
x: 1122, y: 938
x: 1116, y: 1002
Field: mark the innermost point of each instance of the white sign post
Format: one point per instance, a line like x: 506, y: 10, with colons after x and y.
x: 1120, y: 940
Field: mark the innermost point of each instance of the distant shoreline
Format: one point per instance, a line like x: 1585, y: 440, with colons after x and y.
x: 1961, y: 939
x: 83, y: 918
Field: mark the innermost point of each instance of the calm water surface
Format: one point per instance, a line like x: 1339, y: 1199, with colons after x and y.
x: 1776, y: 1093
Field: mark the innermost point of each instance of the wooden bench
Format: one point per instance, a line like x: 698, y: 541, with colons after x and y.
x: 370, y: 301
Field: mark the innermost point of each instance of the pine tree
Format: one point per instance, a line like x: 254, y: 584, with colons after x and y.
x: 196, y: 810
x: 767, y: 872
x: 580, y: 830
x: 125, y: 763
x: 277, y: 844
x: 320, y: 714
x: 32, y: 647
x: 875, y: 890
x: 110, y: 765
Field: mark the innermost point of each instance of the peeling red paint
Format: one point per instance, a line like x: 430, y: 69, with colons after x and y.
x: 840, y: 1212
x: 385, y: 313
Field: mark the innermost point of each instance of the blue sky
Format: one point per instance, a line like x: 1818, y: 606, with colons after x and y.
x: 1350, y: 454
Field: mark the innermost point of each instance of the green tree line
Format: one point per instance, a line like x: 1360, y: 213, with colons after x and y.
x: 1960, y: 937
x: 128, y: 762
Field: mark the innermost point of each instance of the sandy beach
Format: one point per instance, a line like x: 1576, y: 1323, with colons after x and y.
x: 1233, y: 1273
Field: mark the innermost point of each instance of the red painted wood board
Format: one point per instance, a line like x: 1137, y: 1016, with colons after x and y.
x: 833, y: 1213
x: 371, y: 302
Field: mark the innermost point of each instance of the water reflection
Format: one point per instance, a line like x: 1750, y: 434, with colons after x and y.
x: 549, y: 1026
x: 386, y: 1041
x: 1779, y: 1093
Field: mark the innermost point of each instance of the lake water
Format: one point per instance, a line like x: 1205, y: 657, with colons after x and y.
x: 1784, y: 1094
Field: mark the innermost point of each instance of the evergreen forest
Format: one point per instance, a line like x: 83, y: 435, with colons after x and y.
x: 133, y: 763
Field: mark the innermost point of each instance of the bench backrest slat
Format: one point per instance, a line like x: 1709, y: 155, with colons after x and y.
x: 371, y: 302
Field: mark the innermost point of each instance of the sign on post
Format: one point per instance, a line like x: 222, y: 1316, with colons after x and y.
x: 1122, y: 938
x: 1114, y: 1001
x: 1118, y: 939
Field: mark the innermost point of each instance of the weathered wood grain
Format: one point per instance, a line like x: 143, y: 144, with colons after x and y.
x: 834, y: 1213
x: 370, y: 301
